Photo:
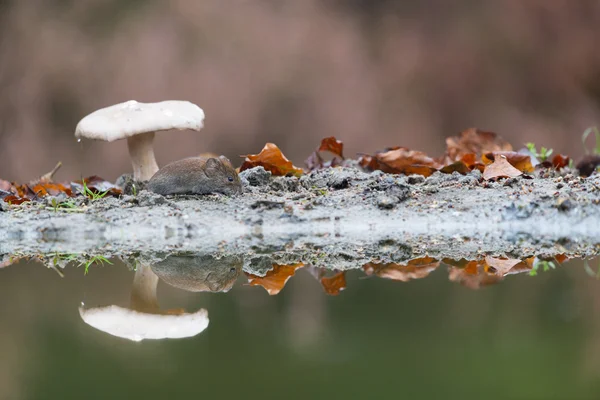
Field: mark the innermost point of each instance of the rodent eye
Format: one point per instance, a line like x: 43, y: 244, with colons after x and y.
x: 230, y: 178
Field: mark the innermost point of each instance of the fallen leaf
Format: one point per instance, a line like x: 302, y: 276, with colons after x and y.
x: 330, y: 145
x: 275, y: 279
x: 560, y: 161
x: 335, y: 284
x: 12, y: 199
x: 500, y: 168
x: 273, y: 160
x: 52, y: 189
x: 457, y: 166
x: 414, y: 269
x: 400, y: 160
x: 522, y: 162
x: 474, y: 141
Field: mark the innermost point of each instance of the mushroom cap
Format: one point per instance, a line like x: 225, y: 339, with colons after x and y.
x: 132, y: 118
x: 133, y: 325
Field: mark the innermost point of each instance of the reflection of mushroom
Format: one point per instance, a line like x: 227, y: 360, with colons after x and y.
x: 204, y: 273
x: 145, y: 320
x: 137, y: 122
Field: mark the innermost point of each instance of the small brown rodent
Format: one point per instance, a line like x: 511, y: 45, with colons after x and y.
x: 196, y: 175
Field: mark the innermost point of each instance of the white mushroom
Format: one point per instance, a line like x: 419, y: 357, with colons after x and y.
x: 137, y: 122
x: 144, y: 320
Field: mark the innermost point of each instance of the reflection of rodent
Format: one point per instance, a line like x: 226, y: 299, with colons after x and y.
x: 199, y: 273
x: 196, y: 175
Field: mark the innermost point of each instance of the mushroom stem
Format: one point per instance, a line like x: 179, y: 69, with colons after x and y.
x: 143, y: 290
x: 142, y: 156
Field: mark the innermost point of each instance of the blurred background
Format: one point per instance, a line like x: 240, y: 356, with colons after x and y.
x: 373, y: 73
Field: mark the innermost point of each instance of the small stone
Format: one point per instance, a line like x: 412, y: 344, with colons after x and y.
x: 564, y: 204
x: 386, y: 202
x: 284, y: 184
x: 256, y: 176
x: 415, y: 179
x: 340, y: 183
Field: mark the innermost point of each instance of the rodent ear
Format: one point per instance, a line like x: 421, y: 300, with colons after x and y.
x: 212, y: 163
x: 225, y: 161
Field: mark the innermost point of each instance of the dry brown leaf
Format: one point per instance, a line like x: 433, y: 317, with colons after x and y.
x: 522, y: 162
x: 16, y: 200
x: 333, y: 285
x: 330, y: 145
x: 52, y: 189
x: 414, y: 269
x: 458, y: 166
x: 275, y: 279
x: 400, y: 160
x: 402, y: 157
x: 273, y: 160
x: 474, y: 141
x: 500, y: 168
x: 560, y: 161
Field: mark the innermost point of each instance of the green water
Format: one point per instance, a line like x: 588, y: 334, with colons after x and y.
x: 525, y: 338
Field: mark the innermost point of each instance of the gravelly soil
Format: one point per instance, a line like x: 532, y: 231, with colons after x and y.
x: 336, y: 218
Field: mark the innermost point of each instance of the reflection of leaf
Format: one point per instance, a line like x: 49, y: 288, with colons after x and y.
x: 333, y: 285
x: 331, y: 145
x: 522, y: 162
x: 474, y: 141
x: 273, y: 160
x: 500, y: 266
x: 414, y: 269
x: 473, y: 275
x: 275, y: 279
x: 500, y: 168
